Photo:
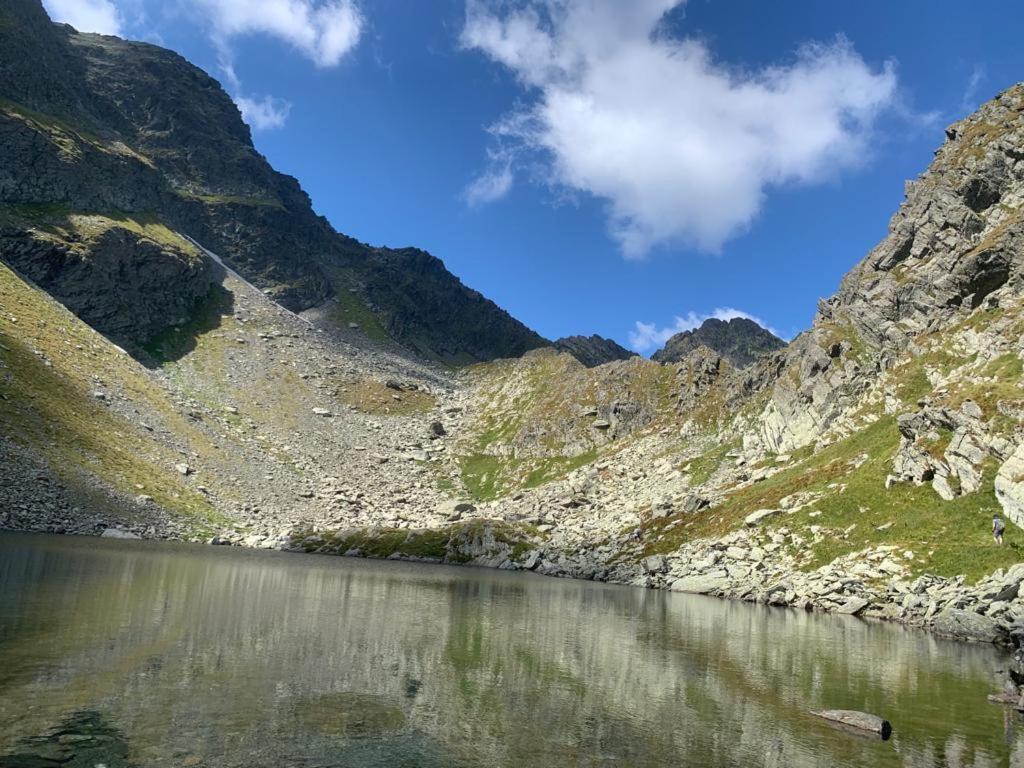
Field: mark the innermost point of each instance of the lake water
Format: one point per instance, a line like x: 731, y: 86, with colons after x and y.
x: 127, y: 653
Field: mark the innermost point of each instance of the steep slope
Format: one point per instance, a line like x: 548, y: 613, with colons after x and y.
x: 593, y: 350
x: 96, y: 126
x: 739, y: 340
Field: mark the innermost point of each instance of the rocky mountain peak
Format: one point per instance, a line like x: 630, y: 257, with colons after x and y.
x: 739, y: 340
x: 593, y: 350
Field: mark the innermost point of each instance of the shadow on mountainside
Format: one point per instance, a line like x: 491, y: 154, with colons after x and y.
x: 175, y: 342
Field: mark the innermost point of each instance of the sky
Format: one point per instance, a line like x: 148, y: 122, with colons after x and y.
x: 601, y: 166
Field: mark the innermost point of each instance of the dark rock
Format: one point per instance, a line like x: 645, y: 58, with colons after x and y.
x: 594, y: 350
x: 740, y: 341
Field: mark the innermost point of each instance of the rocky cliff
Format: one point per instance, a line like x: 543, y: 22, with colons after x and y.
x: 739, y: 340
x: 94, y: 126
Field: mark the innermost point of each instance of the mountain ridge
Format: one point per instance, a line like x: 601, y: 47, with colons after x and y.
x: 121, y: 129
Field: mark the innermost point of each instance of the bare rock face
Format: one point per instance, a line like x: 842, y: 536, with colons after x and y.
x: 122, y: 282
x: 957, y: 238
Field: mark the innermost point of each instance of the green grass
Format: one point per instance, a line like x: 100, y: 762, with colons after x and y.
x: 947, y: 537
x: 258, y: 202
x: 347, y: 307
x: 375, y: 397
x: 50, y: 407
x: 176, y: 342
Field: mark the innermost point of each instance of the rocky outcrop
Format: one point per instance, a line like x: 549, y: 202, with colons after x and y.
x: 594, y: 350
x: 122, y: 281
x: 739, y: 340
x: 957, y: 238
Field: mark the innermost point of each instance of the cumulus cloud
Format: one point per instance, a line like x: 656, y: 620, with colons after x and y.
x: 646, y: 337
x: 680, y: 146
x: 99, y: 16
x: 263, y: 114
x: 322, y: 32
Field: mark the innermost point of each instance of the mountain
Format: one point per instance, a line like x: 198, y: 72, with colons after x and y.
x: 592, y: 350
x: 109, y: 145
x: 739, y: 340
x: 177, y: 360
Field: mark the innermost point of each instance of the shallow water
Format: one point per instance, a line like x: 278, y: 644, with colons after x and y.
x: 127, y: 653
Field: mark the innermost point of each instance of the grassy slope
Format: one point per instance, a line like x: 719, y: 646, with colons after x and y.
x: 51, y: 365
x: 855, y: 510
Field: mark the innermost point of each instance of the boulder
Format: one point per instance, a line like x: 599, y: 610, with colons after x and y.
x: 118, y: 533
x: 701, y: 584
x: 966, y: 625
x: 1010, y: 488
x: 862, y: 721
x: 758, y: 517
x: 654, y: 564
x: 853, y: 606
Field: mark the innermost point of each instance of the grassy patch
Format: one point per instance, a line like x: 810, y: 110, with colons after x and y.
x: 946, y: 537
x: 375, y: 397
x: 174, y: 343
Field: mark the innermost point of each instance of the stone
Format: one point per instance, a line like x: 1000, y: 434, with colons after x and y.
x: 323, y: 412
x: 1010, y: 487
x: 183, y: 469
x: 701, y: 584
x: 853, y: 606
x: 118, y: 533
x: 654, y: 564
x: 966, y: 625
x: 862, y: 721
x: 758, y: 517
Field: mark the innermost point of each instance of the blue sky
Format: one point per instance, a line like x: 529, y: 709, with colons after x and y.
x: 593, y: 165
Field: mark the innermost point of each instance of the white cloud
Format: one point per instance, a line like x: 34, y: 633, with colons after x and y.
x: 647, y: 337
x: 680, y: 146
x: 99, y: 16
x: 490, y: 185
x: 263, y: 114
x: 323, y: 32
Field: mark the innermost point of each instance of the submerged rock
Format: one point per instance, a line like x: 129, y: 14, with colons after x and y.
x: 862, y: 721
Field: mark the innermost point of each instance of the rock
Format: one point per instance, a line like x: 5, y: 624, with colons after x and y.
x: 654, y: 564
x: 183, y: 469
x: 118, y: 533
x: 853, y: 606
x: 601, y: 424
x: 701, y: 584
x: 758, y: 517
x: 323, y: 412
x: 862, y: 721
x: 1010, y: 487
x: 437, y: 429
x: 966, y: 625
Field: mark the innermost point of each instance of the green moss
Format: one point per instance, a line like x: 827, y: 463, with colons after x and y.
x: 554, y: 467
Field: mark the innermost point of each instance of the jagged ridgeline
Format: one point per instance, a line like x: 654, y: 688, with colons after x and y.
x: 154, y: 374
x: 113, y: 149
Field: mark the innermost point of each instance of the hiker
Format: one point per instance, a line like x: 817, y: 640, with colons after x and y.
x: 998, y: 526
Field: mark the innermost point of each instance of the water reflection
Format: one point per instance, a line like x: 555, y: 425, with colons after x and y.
x: 220, y: 657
